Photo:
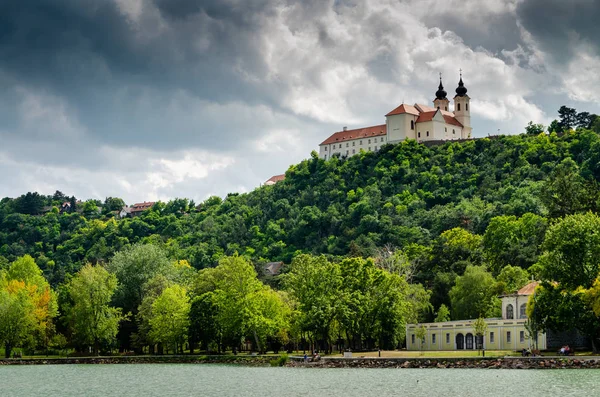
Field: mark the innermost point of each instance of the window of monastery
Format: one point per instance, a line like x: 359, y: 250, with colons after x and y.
x: 369, y: 141
x: 347, y: 144
x: 433, y: 338
x: 466, y: 106
x: 347, y: 152
x: 427, y: 133
x: 458, y: 107
x: 446, y: 108
x: 353, y: 143
x: 454, y: 132
x: 419, y: 134
x: 491, y: 337
x: 369, y: 148
x: 412, y: 124
x: 445, y: 129
x: 325, y: 148
x: 508, y: 336
x: 510, y: 312
x: 522, y: 336
x: 353, y: 151
x: 325, y: 157
x: 360, y: 143
x: 381, y: 139
x: 413, y: 338
x: 523, y: 311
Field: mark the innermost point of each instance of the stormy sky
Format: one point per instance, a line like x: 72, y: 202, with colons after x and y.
x: 156, y: 99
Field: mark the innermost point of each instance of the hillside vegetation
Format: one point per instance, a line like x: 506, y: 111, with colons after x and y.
x: 459, y: 223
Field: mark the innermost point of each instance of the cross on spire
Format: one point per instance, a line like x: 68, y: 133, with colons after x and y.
x: 460, y: 70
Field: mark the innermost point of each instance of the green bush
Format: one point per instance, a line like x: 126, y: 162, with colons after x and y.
x: 280, y: 361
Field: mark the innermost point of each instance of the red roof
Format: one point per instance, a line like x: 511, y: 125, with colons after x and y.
x: 528, y: 289
x: 274, y: 179
x: 428, y: 116
x: 404, y: 109
x: 139, y: 207
x: 348, y: 135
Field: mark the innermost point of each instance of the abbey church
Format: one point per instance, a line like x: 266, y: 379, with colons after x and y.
x: 419, y: 122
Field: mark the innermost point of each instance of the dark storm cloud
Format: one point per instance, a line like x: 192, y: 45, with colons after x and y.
x: 494, y: 32
x: 92, y: 54
x: 557, y: 24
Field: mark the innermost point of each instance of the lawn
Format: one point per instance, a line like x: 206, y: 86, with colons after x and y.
x: 436, y: 354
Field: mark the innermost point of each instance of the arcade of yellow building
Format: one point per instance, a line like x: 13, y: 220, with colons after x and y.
x: 506, y: 333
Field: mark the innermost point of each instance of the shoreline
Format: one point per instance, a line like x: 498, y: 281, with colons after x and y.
x: 547, y: 362
x: 330, y: 362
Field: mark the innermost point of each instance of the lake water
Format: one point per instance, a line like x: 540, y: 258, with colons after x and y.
x: 222, y: 381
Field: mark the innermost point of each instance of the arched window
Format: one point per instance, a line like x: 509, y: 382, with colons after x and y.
x: 460, y: 342
x: 458, y: 107
x: 467, y: 107
x: 419, y: 134
x: 446, y: 108
x: 469, y: 342
x: 510, y: 312
x: 412, y: 124
x: 523, y: 311
x: 427, y: 133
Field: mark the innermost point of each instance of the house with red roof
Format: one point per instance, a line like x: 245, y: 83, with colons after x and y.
x: 419, y: 122
x: 274, y: 179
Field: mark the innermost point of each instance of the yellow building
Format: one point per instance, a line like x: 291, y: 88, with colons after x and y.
x: 506, y: 333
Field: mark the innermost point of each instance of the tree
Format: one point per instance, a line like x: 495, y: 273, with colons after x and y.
x: 509, y: 240
x: 204, y: 327
x: 568, y: 118
x: 475, y: 294
x: 534, y: 129
x: 134, y: 267
x: 93, y: 322
x: 421, y: 334
x: 314, y: 283
x: 17, y: 319
x: 512, y: 278
x: 480, y: 330
x: 112, y: 204
x: 569, y: 269
x: 566, y: 192
x: 245, y: 307
x: 571, y: 251
x: 169, y: 318
x: 443, y: 314
x: 28, y: 305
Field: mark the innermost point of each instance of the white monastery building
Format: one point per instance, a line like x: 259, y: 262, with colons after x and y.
x: 419, y: 122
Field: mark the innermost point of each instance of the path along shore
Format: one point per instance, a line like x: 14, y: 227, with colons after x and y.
x: 332, y: 362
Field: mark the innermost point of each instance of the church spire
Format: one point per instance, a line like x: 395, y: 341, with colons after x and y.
x: 441, y: 94
x: 461, y: 90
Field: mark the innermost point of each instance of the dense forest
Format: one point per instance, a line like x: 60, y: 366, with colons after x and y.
x: 411, y: 233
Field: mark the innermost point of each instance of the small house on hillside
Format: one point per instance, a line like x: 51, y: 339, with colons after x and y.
x: 138, y: 208
x: 274, y: 179
x: 273, y: 268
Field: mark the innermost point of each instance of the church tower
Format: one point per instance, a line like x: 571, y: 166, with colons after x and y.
x: 462, y: 108
x: 440, y: 101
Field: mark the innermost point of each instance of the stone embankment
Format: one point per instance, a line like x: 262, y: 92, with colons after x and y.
x: 240, y: 360
x: 491, y: 363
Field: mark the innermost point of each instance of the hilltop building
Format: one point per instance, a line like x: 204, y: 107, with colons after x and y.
x: 506, y: 333
x: 419, y: 122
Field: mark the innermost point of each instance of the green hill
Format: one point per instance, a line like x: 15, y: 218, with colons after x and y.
x: 406, y: 196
